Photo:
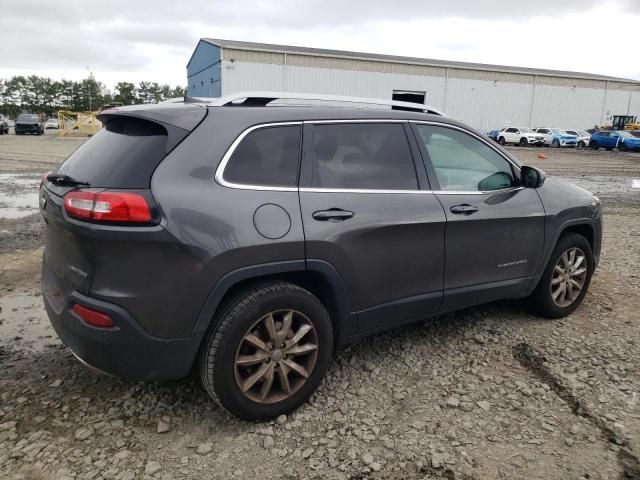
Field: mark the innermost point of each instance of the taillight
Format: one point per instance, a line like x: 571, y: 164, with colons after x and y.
x: 93, y: 317
x: 107, y: 206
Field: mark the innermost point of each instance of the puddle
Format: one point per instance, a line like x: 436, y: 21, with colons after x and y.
x: 24, y: 323
x: 635, y: 183
x: 18, y: 194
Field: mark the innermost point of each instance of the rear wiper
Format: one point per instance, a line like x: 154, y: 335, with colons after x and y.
x: 61, y: 179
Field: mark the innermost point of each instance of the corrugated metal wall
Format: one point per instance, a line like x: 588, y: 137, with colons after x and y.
x: 483, y: 99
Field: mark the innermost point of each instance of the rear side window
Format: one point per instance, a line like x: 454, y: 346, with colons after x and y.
x: 371, y: 156
x: 267, y: 157
x: 124, y: 154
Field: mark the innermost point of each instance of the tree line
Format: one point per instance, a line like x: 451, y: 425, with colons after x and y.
x: 45, y: 96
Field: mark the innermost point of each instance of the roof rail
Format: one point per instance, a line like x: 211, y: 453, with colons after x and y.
x: 264, y: 98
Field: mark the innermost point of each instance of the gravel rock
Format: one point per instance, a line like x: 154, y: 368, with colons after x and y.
x: 452, y: 402
x: 437, y: 460
x: 83, y: 433
x: 163, y: 427
x: 152, y: 467
x: 204, y: 448
x: 367, y: 459
x: 281, y: 420
x: 268, y: 442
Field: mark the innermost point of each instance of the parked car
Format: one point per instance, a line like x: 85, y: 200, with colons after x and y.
x: 620, y: 139
x: 556, y: 137
x: 522, y: 136
x: 583, y: 137
x: 493, y: 134
x: 28, y: 123
x: 193, y: 235
x: 4, y: 124
x: 51, y: 123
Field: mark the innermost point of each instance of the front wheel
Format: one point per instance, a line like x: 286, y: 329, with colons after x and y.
x: 269, y: 350
x: 523, y: 142
x: 581, y: 144
x: 594, y: 145
x: 556, y: 144
x: 566, y: 279
x: 501, y: 141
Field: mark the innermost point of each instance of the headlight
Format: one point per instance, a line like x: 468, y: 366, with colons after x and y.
x: 595, y: 202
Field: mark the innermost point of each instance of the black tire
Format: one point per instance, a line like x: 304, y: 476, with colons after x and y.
x: 501, y: 141
x: 594, y: 145
x: 608, y: 149
x: 235, y: 319
x: 622, y: 147
x: 541, y: 301
x: 556, y: 144
x: 581, y: 144
x: 523, y: 142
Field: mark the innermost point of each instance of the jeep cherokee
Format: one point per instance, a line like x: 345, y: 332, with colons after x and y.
x: 246, y: 240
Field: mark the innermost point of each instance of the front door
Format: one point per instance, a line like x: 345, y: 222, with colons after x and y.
x: 495, y: 228
x: 366, y: 214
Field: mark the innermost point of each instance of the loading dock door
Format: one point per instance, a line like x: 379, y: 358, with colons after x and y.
x: 406, y: 96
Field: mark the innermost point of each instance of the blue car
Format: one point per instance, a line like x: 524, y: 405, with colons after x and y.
x: 619, y: 139
x: 557, y: 138
x: 493, y: 134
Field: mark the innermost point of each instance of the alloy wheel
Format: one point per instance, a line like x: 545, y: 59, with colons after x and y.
x: 276, y: 356
x: 569, y: 276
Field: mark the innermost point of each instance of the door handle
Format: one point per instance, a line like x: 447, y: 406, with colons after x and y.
x: 332, y: 215
x: 464, y: 209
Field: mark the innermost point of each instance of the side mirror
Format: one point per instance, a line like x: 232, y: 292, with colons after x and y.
x: 532, y: 177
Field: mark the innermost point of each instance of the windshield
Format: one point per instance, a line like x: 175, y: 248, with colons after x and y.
x: 525, y: 130
x: 558, y: 131
x: 24, y: 117
x: 624, y: 134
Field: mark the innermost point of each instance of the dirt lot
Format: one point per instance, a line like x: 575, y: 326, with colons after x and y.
x: 490, y: 392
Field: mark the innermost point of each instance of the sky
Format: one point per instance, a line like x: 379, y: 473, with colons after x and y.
x: 152, y: 40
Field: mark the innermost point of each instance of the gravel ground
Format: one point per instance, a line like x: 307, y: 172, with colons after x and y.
x: 489, y: 392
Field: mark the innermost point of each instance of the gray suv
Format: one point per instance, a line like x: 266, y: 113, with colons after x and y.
x: 246, y: 240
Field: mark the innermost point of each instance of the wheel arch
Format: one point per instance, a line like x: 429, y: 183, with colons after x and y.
x: 582, y: 226
x: 317, y: 276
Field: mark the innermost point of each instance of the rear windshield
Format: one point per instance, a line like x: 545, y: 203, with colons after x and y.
x: 27, y: 118
x: 124, y: 154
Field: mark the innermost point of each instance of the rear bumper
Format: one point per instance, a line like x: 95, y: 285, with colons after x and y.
x: 126, y: 350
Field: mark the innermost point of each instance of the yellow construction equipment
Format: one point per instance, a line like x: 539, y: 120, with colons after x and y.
x: 78, y: 123
x: 623, y: 122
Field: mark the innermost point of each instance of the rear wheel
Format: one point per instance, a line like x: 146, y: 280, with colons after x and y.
x: 622, y: 147
x: 269, y: 351
x: 523, y: 142
x: 501, y: 141
x: 556, y: 143
x: 566, y: 279
x: 594, y: 145
x: 581, y: 144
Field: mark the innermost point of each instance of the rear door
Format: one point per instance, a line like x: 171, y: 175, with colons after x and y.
x: 368, y: 213
x: 495, y: 228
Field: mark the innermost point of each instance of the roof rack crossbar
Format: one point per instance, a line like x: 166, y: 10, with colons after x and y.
x: 264, y: 98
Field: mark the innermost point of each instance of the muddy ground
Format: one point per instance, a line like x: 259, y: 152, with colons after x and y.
x: 489, y: 392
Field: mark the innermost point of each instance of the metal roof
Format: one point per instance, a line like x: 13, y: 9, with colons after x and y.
x: 267, y: 47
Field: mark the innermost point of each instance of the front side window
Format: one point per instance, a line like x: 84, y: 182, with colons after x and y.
x: 464, y: 163
x: 512, y: 130
x: 267, y: 157
x: 370, y: 156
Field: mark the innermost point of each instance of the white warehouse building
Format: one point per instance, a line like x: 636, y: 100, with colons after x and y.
x: 484, y: 96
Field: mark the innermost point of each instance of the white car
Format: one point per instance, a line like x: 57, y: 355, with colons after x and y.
x: 522, y: 136
x: 556, y: 137
x: 583, y: 137
x: 51, y: 123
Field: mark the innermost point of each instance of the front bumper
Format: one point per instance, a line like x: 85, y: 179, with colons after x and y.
x: 126, y: 350
x: 27, y: 128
